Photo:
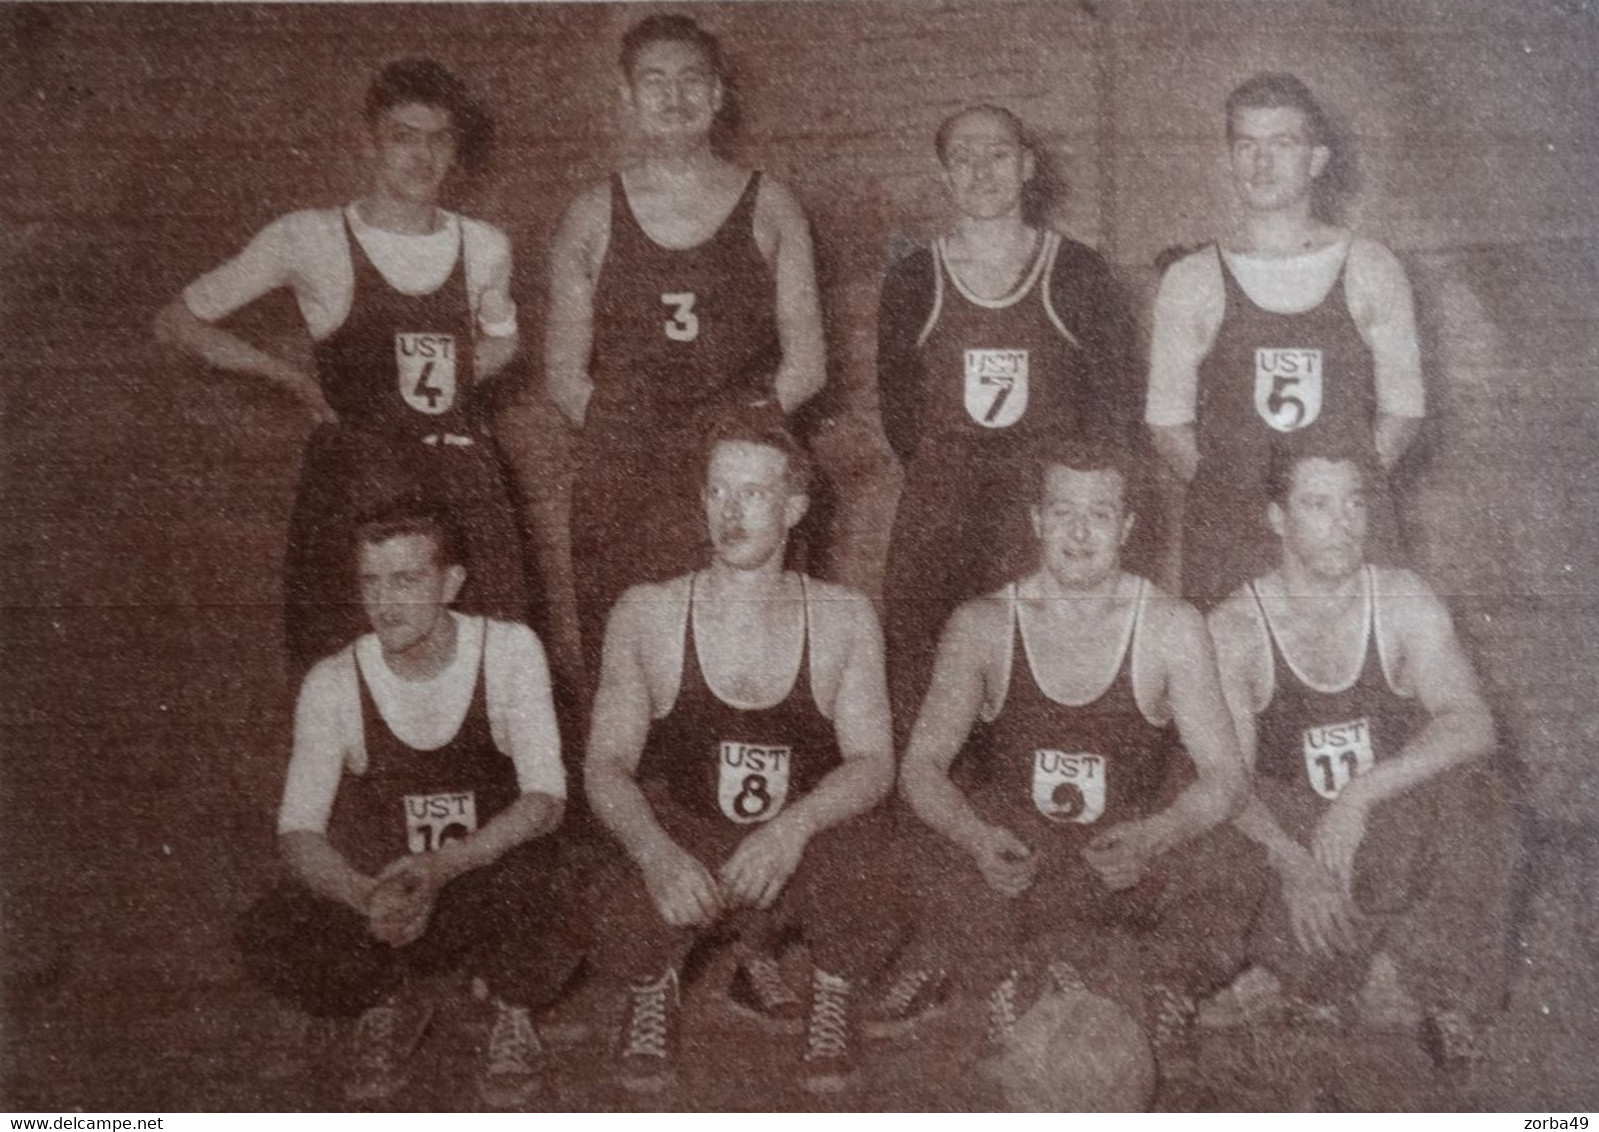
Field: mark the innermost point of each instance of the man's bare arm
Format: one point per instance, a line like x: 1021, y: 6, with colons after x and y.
x: 1385, y: 310
x: 803, y: 370
x: 1184, y: 322
x: 176, y: 325
x: 323, y: 869
x: 575, y: 254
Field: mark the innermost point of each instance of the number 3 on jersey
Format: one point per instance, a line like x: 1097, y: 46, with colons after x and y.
x: 682, y: 324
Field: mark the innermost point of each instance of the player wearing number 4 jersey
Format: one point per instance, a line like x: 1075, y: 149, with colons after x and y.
x: 425, y: 782
x: 682, y: 284
x: 1362, y: 719
x: 1296, y: 330
x: 409, y: 309
x: 740, y: 736
x: 1079, y: 822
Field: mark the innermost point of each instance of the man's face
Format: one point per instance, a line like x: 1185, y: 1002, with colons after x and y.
x: 673, y: 92
x: 985, y: 166
x: 1081, y: 523
x: 413, y: 149
x: 1323, y: 525
x: 749, y: 505
x: 405, y: 590
x: 1274, y: 163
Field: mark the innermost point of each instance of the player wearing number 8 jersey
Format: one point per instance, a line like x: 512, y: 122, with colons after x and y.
x: 680, y: 285
x: 740, y: 735
x: 1362, y: 718
x: 425, y: 781
x: 409, y: 309
x: 1083, y: 813
x: 1296, y: 330
x: 999, y: 335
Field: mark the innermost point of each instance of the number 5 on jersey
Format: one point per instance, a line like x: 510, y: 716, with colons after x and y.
x: 682, y: 324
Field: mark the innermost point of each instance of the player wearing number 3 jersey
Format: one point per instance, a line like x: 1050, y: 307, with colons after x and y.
x: 1361, y: 716
x: 740, y: 734
x: 1296, y: 331
x: 408, y: 307
x: 1079, y: 822
x: 425, y: 780
x: 682, y: 284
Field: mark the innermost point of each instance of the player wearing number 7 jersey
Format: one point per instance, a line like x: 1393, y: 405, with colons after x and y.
x: 1075, y: 758
x: 680, y: 285
x: 1362, y: 719
x: 740, y: 736
x: 408, y: 308
x: 1295, y: 329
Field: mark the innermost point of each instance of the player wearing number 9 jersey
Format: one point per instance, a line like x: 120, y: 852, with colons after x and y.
x: 1297, y: 330
x: 740, y: 736
x: 1001, y: 334
x: 1362, y: 719
x: 425, y: 781
x: 409, y: 309
x: 1086, y: 812
x: 680, y: 285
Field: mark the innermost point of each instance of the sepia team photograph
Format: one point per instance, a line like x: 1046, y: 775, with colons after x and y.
x: 836, y: 556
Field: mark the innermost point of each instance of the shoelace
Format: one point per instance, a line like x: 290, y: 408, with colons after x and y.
x: 646, y: 1031
x: 1002, y: 1010
x: 511, y: 1040
x: 1174, y: 1014
x: 767, y: 979
x: 829, y: 1033
x: 1065, y: 977
x: 374, y: 1034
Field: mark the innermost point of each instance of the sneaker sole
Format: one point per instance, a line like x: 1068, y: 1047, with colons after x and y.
x: 508, y: 1100
x: 829, y: 1083
x: 897, y: 1029
x: 750, y: 1016
x: 385, y: 1089
x: 656, y: 1084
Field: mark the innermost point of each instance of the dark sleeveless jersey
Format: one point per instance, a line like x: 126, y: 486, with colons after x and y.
x: 412, y: 801
x: 401, y: 363
x: 999, y: 372
x: 1073, y: 765
x: 739, y: 764
x: 1320, y: 738
x: 679, y: 330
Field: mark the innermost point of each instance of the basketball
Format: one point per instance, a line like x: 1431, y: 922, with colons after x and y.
x: 1076, y: 1052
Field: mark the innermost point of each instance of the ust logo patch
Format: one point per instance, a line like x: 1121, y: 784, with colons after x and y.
x: 752, y: 781
x: 1288, y: 387
x: 426, y: 365
x: 1337, y: 752
x: 1069, y: 787
x: 996, y: 386
x: 433, y: 819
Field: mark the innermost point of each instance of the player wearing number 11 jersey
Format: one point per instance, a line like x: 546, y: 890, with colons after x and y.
x: 679, y: 286
x: 1368, y: 736
x: 740, y: 736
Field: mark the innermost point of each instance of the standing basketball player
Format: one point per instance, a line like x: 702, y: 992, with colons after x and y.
x: 998, y: 334
x: 409, y: 310
x: 682, y: 284
x: 740, y: 734
x: 425, y: 782
x: 1362, y: 719
x: 1293, y: 328
x: 1079, y: 826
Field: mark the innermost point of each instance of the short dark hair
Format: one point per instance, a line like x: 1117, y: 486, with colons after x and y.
x: 761, y: 424
x: 400, y: 518
x: 1011, y: 121
x: 431, y: 83
x: 671, y: 29
x: 1272, y: 90
x: 1286, y: 456
x: 1081, y: 455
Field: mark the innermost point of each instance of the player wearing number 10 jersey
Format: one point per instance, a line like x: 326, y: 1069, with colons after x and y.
x: 409, y: 308
x: 740, y: 736
x: 1361, y: 716
x: 680, y: 285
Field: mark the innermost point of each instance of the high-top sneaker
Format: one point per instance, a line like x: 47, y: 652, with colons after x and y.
x: 759, y: 993
x: 648, y: 1055
x: 829, y: 1061
x: 918, y: 995
x: 513, y: 1067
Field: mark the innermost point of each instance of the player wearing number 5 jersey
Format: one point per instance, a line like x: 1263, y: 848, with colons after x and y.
x: 680, y: 285
x: 998, y: 335
x: 1361, y: 716
x: 425, y: 781
x: 1075, y: 756
x: 740, y: 734
x: 1295, y: 330
x: 408, y: 309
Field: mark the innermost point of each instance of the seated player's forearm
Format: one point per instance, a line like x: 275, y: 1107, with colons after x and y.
x: 177, y: 326
x: 1200, y: 808
x: 1256, y: 822
x: 623, y: 809
x: 941, y: 806
x: 1178, y: 447
x: 1447, y: 741
x: 323, y: 869
x: 846, y: 792
x: 530, y: 816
